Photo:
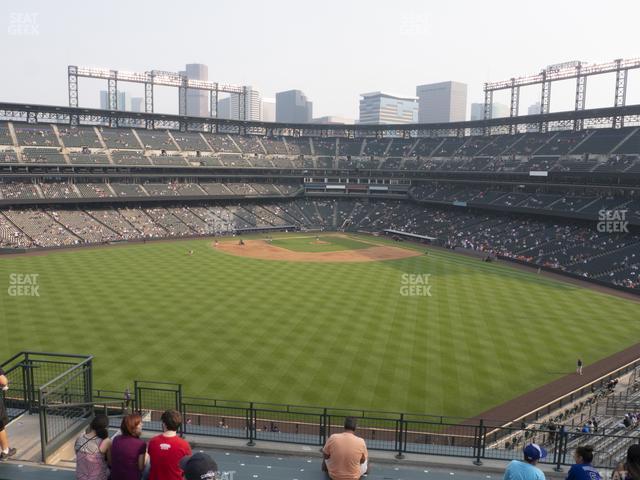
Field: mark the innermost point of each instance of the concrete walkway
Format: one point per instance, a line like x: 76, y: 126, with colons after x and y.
x: 265, y: 460
x: 242, y: 465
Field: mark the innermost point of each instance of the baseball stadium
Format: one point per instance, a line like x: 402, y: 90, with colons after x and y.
x: 462, y: 289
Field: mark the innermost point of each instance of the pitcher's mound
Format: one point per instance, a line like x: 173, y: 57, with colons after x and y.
x: 265, y: 251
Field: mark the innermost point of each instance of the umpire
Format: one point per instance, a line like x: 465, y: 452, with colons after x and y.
x: 4, y: 420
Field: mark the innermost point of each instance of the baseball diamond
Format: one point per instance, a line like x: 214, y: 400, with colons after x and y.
x: 299, y: 327
x: 345, y: 243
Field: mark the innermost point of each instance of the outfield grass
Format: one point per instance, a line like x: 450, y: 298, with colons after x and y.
x: 322, y: 243
x: 333, y: 334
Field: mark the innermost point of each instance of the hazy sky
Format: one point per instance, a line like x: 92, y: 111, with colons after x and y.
x: 333, y: 50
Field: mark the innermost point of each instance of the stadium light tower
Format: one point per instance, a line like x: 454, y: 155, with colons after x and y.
x: 149, y: 80
x: 563, y: 71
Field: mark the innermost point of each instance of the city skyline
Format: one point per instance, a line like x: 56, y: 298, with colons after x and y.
x: 410, y: 28
x: 379, y: 108
x: 449, y: 95
x: 442, y: 102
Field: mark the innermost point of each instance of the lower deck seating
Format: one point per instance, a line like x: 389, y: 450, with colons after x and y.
x: 11, y: 236
x: 172, y: 224
x: 42, y: 227
x: 114, y: 219
x: 84, y: 226
x: 566, y: 245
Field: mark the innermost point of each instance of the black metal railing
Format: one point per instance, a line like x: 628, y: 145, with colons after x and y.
x: 66, y: 403
x: 28, y: 372
x: 16, y: 398
x: 58, y: 387
x: 583, y: 392
x: 388, y: 431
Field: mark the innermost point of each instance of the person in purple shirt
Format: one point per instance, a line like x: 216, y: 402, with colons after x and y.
x: 582, y: 469
x: 128, y: 451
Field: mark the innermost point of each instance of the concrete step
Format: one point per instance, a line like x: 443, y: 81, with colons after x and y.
x: 24, y: 435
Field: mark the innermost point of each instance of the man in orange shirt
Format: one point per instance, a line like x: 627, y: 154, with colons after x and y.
x: 345, y: 455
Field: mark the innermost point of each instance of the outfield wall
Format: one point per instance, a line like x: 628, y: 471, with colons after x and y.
x: 572, y: 275
x: 401, y: 433
x: 533, y: 266
x: 134, y: 241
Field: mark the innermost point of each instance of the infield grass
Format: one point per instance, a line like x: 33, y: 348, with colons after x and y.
x: 333, y: 334
x: 322, y: 243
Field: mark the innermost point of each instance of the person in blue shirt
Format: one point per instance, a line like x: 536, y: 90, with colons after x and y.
x: 582, y: 469
x: 527, y: 470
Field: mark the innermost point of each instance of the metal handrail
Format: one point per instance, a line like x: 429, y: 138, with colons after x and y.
x: 66, y: 372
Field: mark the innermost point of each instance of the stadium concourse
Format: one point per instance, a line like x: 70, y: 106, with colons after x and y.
x: 236, y: 465
x: 597, y: 418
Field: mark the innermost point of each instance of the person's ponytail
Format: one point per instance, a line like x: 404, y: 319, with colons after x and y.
x: 100, y: 425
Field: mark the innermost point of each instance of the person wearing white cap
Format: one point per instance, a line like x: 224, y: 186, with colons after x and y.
x: 527, y: 470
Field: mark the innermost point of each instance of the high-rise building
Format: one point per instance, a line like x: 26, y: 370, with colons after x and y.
x: 104, y: 100
x: 384, y: 108
x: 229, y: 107
x: 498, y: 110
x: 268, y: 109
x: 477, y: 111
x: 122, y: 99
x: 442, y: 102
x: 334, y: 120
x: 224, y: 108
x: 137, y: 104
x: 292, y: 106
x: 252, y: 106
x: 197, y: 100
x: 534, y: 109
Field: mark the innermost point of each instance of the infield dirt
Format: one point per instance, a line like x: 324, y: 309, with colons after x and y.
x: 263, y: 250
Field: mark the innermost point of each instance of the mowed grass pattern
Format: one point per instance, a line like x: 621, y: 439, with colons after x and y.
x: 322, y: 243
x: 334, y: 334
